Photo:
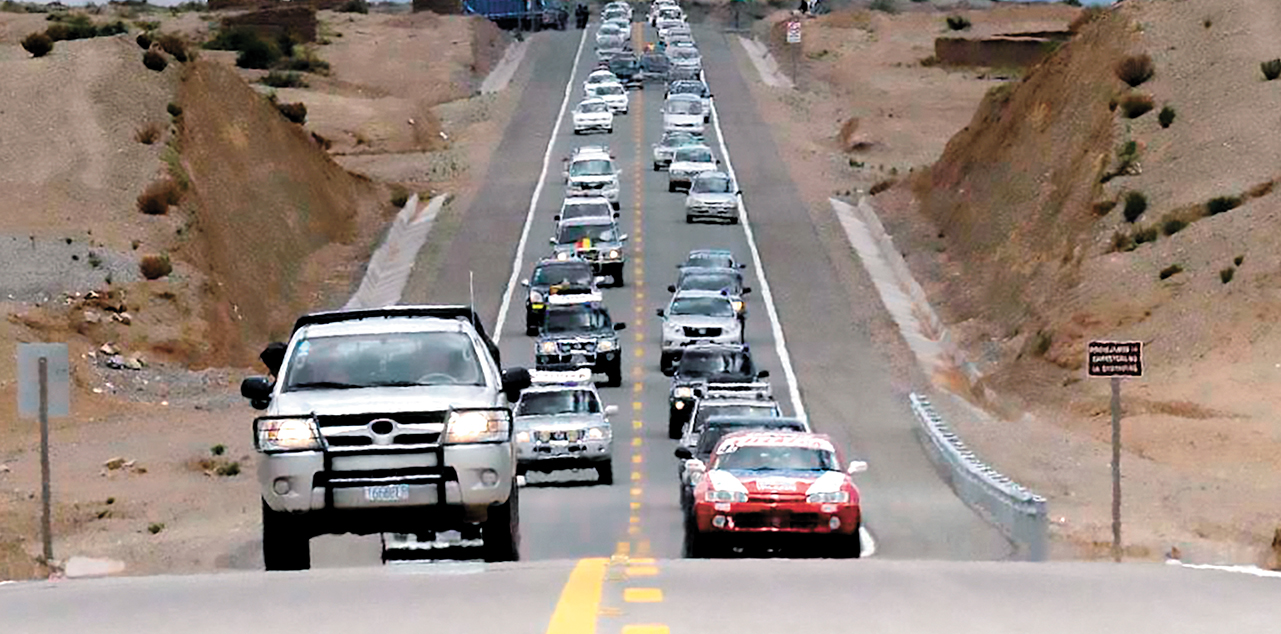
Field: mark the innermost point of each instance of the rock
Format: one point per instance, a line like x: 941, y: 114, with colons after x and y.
x: 109, y: 349
x: 129, y: 464
x: 123, y: 317
x: 4, y: 468
x: 114, y: 463
x: 92, y: 317
x: 92, y: 295
x: 116, y: 362
x: 134, y: 363
x: 86, y: 567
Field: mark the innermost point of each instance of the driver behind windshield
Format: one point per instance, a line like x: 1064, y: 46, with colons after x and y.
x: 575, y: 320
x: 706, y: 364
x: 384, y: 360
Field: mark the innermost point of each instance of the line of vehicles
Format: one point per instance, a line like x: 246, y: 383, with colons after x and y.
x: 403, y: 419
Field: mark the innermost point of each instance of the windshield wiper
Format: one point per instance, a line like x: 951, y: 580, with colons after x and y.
x: 324, y: 385
x: 399, y: 384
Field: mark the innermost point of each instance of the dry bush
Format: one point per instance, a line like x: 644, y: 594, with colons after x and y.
x: 1262, y: 189
x: 174, y: 45
x: 144, y: 40
x: 1135, y: 204
x: 1135, y: 69
x: 881, y: 186
x: 1220, y: 204
x: 1271, y: 69
x: 1170, y: 271
x: 295, y: 112
x: 149, y: 133
x: 1166, y: 116
x: 158, y: 197
x: 38, y: 44
x: 1135, y: 105
x: 156, y: 266
x: 154, y: 61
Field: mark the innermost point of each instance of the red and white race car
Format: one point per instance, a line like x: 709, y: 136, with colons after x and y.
x: 775, y: 489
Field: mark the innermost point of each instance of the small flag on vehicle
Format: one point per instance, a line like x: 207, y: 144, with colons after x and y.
x: 585, y: 243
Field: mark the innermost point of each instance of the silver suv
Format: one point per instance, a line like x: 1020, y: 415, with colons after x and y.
x: 388, y: 420
x: 695, y: 317
x: 561, y: 423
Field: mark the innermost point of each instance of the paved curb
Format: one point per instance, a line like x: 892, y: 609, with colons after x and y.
x: 391, y: 264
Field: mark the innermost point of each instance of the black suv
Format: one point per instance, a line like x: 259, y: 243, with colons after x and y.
x: 574, y: 336
x: 700, y: 367
x: 554, y: 277
x: 627, y: 68
x: 655, y: 66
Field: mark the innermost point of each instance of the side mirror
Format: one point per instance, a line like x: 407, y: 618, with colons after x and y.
x: 565, y: 174
x: 622, y: 325
x: 610, y: 410
x: 739, y: 192
x: 622, y: 238
x: 660, y: 312
x: 718, y: 161
x: 684, y: 453
x: 671, y: 288
x: 746, y: 290
x: 515, y: 380
x: 617, y: 215
x: 525, y: 282
x: 556, y: 218
x: 258, y: 390
x: 763, y: 374
x: 856, y: 466
x: 743, y: 265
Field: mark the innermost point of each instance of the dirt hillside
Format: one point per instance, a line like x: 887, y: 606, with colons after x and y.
x: 1068, y: 211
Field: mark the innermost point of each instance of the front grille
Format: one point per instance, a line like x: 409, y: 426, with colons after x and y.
x: 404, y: 418
x: 569, y: 435
x: 702, y: 332
x: 426, y: 438
x: 777, y: 519
x: 600, y: 185
x: 590, y: 255
x: 573, y: 347
x: 350, y: 441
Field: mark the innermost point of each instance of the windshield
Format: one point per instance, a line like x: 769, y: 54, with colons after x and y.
x: 681, y: 106
x: 708, y: 306
x: 712, y: 185
x: 556, y: 403
x: 598, y: 233
x: 601, y: 78
x: 710, y: 282
x: 708, y: 437
x: 384, y: 360
x: 575, y: 274
x: 694, y: 155
x: 586, y: 210
x: 678, y: 139
x: 654, y: 60
x: 592, y: 167
x: 611, y: 41
x: 576, y: 319
x: 624, y: 64
x: 593, y: 107
x: 781, y: 458
x: 686, y: 89
x: 708, y: 363
x: 710, y: 261
x: 684, y: 53
x: 610, y: 29
x: 706, y: 411
x: 611, y: 89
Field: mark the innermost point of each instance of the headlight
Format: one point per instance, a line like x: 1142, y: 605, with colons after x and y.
x: 535, y: 297
x: 287, y: 434
x: 597, y: 433
x: 562, y: 256
x: 522, y: 436
x: 830, y: 497
x: 684, y: 392
x: 725, y: 496
x: 478, y: 426
x: 673, y: 328
x: 738, y: 306
x: 613, y: 254
x: 547, y: 347
x: 606, y: 345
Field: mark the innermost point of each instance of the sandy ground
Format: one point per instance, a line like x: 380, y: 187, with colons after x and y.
x: 1201, y: 450
x: 165, y: 417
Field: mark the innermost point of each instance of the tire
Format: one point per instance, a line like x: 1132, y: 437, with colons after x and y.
x: 850, y: 546
x: 671, y: 186
x: 285, y: 543
x: 577, y: 132
x: 614, y: 376
x: 665, y: 363
x: 689, y: 220
x: 674, y: 426
x: 605, y: 473
x: 501, y: 530
x: 620, y: 280
x: 733, y: 220
x: 695, y: 544
x: 657, y: 167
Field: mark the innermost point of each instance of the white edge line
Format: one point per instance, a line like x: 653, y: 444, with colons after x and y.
x: 869, y: 544
x: 780, y: 346
x: 1253, y: 571
x: 533, y: 200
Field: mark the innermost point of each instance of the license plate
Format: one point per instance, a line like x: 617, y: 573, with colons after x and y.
x: 389, y: 493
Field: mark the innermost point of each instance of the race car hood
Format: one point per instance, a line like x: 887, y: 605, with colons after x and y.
x: 382, y: 400
x: 559, y: 422
x: 703, y: 321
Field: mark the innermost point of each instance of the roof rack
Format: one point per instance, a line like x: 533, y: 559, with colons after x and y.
x: 572, y: 377
x: 560, y: 299
x: 456, y: 312
x: 760, y: 390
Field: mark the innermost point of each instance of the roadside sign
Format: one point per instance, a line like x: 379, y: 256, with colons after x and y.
x: 794, y: 32
x: 58, y: 377
x: 1115, y: 358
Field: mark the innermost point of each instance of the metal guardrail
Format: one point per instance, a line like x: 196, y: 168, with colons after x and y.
x: 1017, y: 512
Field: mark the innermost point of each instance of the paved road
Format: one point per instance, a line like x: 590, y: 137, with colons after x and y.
x: 743, y: 597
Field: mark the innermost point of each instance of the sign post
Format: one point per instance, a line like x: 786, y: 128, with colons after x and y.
x: 1116, y: 359
x: 44, y: 391
x: 794, y: 39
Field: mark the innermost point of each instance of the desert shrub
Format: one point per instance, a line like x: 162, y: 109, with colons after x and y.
x: 149, y: 133
x: 304, y: 64
x: 1086, y: 16
x: 74, y: 27
x: 174, y: 109
x: 1170, y: 271
x: 354, y: 6
x: 1103, y: 207
x: 1135, y: 204
x: 154, y: 61
x: 173, y: 45
x: 1226, y: 275
x: 1122, y: 241
x: 1135, y: 105
x: 157, y: 198
x: 1145, y: 235
x: 38, y: 44
x: 295, y: 112
x: 1173, y: 226
x: 258, y: 53
x: 277, y: 79
x: 155, y: 528
x: 146, y: 25
x: 1135, y: 69
x: 1166, y: 116
x: 1238, y: 260
x: 144, y: 41
x: 1072, y: 3
x: 228, y: 469
x: 1262, y: 189
x: 958, y: 22
x: 233, y: 39
x: 112, y: 28
x: 884, y: 6
x: 399, y: 196
x: 880, y: 187
x: 156, y: 266
x: 1271, y: 69
x: 1221, y: 204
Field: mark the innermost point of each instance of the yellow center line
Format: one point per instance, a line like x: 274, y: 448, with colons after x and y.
x: 636, y: 492
x: 636, y: 424
x: 634, y: 519
x: 642, y: 595
x: 646, y: 629
x: 636, y: 405
x: 637, y: 387
x: 642, y: 571
x: 642, y: 561
x: 636, y: 459
x: 580, y: 599
x: 636, y: 476
x: 636, y: 442
x: 635, y: 506
x: 623, y: 549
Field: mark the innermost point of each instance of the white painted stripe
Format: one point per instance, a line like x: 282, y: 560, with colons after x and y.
x: 533, y: 200
x: 868, y: 543
x: 1254, y: 571
x: 780, y: 346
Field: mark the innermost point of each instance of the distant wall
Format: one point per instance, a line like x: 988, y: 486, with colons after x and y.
x: 1001, y: 52
x: 443, y: 7
x: 300, y: 22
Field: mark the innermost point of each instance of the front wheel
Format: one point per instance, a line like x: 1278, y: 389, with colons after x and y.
x: 671, y: 186
x: 696, y: 544
x: 614, y: 376
x: 850, y: 546
x: 674, y: 426
x: 285, y: 543
x: 605, y: 472
x: 689, y: 220
x: 501, y: 530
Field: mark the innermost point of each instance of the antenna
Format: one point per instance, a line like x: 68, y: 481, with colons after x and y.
x: 471, y: 295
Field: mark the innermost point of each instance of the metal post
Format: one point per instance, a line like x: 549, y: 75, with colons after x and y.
x: 737, y: 4
x: 46, y: 531
x: 1116, y: 468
